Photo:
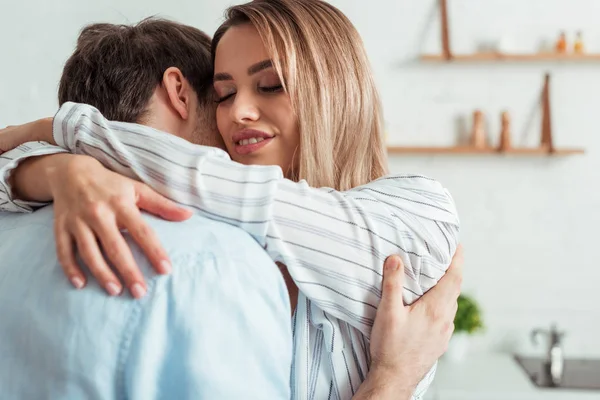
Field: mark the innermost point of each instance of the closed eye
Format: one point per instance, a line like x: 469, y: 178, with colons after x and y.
x: 271, y: 89
x: 224, y: 98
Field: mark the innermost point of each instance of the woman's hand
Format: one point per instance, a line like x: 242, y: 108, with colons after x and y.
x: 406, y: 341
x: 91, y: 205
x: 14, y: 136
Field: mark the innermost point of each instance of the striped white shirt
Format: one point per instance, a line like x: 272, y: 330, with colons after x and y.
x: 333, y: 243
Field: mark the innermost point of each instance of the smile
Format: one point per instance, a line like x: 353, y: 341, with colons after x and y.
x: 247, y: 146
x: 250, y: 140
x: 245, y: 142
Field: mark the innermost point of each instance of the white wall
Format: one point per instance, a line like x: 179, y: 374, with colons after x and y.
x: 530, y: 225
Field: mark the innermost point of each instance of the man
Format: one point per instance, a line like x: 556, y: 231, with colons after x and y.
x: 217, y: 327
x: 155, y: 103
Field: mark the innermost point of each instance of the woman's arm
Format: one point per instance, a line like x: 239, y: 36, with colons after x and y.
x: 333, y: 243
x: 23, y: 173
x: 35, y: 173
x: 23, y: 188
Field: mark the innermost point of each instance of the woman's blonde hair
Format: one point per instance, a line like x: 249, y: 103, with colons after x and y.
x: 324, y: 68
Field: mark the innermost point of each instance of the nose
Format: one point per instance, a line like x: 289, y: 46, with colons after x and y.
x: 245, y: 108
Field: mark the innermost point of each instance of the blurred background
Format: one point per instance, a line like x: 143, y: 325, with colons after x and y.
x: 529, y: 221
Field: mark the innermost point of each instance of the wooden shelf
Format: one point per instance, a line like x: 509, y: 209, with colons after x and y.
x: 492, y: 57
x: 546, y: 147
x: 466, y: 150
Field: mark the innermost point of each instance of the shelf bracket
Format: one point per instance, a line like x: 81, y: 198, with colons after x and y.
x: 546, y: 140
x: 445, y: 30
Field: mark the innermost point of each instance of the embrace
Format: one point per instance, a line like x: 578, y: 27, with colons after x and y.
x: 213, y: 219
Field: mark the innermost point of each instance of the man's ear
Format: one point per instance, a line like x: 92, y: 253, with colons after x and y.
x: 178, y: 90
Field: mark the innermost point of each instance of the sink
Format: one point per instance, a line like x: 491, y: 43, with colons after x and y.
x: 578, y: 374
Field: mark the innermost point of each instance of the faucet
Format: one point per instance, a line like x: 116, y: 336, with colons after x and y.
x: 555, y: 356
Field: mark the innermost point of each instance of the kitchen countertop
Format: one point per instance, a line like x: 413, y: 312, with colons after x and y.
x: 493, y: 377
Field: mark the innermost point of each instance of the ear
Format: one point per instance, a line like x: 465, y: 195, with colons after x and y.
x: 178, y: 90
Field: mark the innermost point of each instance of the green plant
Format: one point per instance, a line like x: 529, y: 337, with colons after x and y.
x: 468, y: 315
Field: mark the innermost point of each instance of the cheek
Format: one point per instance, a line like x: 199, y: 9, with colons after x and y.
x: 222, y: 121
x: 287, y: 121
x: 292, y: 129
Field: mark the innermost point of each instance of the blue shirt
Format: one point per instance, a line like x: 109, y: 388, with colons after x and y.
x: 217, y: 327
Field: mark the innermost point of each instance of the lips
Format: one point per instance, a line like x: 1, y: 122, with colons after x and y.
x: 248, y: 141
x: 253, y: 140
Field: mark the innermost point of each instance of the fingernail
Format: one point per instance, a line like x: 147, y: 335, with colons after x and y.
x: 77, y: 282
x: 392, y: 264
x: 113, y: 289
x: 137, y: 290
x: 166, y: 266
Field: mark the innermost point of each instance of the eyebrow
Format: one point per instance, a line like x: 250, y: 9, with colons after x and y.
x: 259, y: 66
x: 221, y: 76
x: 253, y: 69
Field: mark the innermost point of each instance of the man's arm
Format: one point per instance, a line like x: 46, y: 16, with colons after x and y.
x: 380, y: 386
x: 407, y: 340
x: 351, y: 233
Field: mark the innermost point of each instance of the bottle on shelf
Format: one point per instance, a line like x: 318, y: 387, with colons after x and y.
x: 505, y: 143
x: 578, y: 47
x: 561, y: 43
x: 478, y: 134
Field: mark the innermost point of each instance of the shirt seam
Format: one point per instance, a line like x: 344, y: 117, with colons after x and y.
x: 132, y: 327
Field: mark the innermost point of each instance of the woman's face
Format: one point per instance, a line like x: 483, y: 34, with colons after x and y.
x: 254, y: 114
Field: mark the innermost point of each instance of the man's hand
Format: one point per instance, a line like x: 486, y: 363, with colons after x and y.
x: 406, y: 341
x: 14, y: 136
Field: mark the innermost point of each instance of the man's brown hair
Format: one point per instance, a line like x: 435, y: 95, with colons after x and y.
x: 116, y: 68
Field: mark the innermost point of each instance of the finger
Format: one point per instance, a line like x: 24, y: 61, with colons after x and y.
x: 447, y: 334
x: 454, y: 310
x: 146, y: 238
x: 445, y: 293
x: 393, y: 282
x: 149, y: 200
x: 88, y: 249
x: 119, y: 253
x: 447, y: 289
x: 455, y: 271
x: 458, y: 259
x: 66, y: 256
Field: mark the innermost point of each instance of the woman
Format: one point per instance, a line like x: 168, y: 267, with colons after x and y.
x: 284, y: 100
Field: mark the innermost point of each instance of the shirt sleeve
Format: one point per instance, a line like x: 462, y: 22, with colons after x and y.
x: 425, y: 384
x: 9, y: 161
x: 333, y: 243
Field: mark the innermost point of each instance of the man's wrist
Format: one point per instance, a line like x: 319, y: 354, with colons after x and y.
x: 383, y: 385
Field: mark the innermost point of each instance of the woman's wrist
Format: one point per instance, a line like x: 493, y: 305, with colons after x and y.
x: 68, y: 168
x: 34, y: 179
x: 42, y: 130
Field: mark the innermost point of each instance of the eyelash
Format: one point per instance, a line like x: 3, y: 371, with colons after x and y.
x: 224, y: 98
x: 266, y: 89
x: 272, y: 89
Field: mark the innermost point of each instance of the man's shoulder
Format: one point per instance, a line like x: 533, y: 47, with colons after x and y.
x: 203, y: 238
x: 10, y: 220
x: 196, y: 226
x: 197, y: 235
x: 188, y: 243
x: 46, y: 321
